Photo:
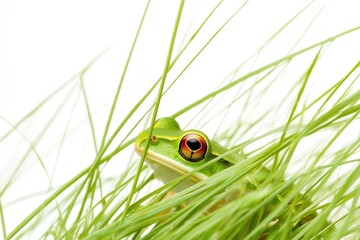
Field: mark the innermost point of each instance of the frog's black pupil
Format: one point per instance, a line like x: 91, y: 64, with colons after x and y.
x: 193, y: 144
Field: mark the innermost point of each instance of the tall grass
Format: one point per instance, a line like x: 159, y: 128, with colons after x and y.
x: 283, y: 106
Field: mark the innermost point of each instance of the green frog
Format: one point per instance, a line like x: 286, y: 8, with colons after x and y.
x: 173, y: 152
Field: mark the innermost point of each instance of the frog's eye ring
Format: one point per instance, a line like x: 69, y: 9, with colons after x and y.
x: 193, y: 147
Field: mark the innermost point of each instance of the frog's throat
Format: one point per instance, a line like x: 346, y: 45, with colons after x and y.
x: 170, y: 163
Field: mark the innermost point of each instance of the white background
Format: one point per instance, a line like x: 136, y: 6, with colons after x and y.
x: 44, y: 43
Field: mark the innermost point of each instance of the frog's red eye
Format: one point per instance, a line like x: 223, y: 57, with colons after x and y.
x: 193, y: 147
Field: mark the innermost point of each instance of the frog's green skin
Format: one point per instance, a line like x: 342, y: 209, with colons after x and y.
x: 167, y: 163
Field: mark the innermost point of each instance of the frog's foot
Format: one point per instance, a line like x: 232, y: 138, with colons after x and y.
x: 168, y: 195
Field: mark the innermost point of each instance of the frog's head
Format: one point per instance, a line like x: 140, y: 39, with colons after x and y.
x: 173, y: 152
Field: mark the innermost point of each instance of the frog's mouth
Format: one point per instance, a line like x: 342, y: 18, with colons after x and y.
x: 164, y: 166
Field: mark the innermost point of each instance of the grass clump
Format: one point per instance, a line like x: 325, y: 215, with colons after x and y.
x: 287, y: 113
